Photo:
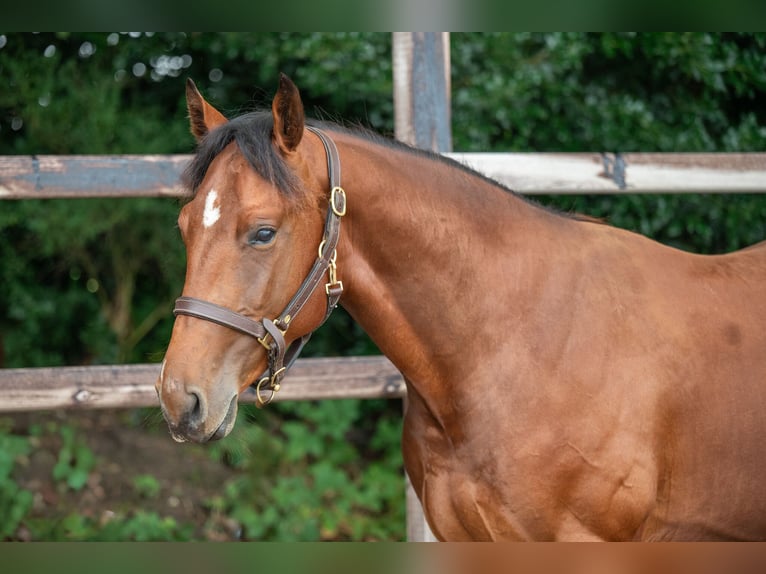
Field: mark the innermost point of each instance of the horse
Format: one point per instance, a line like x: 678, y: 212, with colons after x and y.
x: 566, y: 379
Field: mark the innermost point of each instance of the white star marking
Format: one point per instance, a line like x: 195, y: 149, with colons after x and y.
x: 212, y: 211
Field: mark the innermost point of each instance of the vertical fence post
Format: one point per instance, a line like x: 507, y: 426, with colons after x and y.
x: 421, y: 63
x: 422, y: 118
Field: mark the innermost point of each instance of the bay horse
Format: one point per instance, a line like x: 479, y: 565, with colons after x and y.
x: 566, y: 379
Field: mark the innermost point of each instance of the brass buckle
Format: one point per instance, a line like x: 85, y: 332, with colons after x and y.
x: 264, y: 341
x: 267, y: 337
x: 337, y: 192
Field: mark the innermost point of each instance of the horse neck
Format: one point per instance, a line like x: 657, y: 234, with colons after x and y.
x: 423, y: 248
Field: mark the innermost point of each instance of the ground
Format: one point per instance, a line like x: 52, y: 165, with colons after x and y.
x: 136, y: 466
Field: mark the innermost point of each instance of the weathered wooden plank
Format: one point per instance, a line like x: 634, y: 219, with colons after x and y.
x: 25, y: 177
x: 132, y: 386
x: 78, y: 176
x: 594, y: 173
x: 699, y: 172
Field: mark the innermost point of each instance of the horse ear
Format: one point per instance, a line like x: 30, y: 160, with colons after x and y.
x: 289, y: 119
x: 202, y: 116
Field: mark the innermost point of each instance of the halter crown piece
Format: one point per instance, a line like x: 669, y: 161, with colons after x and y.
x: 271, y: 334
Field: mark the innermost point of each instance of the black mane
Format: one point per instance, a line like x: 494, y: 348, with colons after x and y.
x: 252, y: 133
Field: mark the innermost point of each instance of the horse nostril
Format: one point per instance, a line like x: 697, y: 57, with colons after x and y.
x: 196, y: 410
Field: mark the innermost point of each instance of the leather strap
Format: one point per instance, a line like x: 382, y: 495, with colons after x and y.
x: 271, y: 334
x: 327, y: 253
x: 220, y: 315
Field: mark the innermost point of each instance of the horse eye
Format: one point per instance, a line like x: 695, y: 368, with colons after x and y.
x: 261, y: 236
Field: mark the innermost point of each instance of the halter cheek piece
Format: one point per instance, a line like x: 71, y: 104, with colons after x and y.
x: 271, y: 334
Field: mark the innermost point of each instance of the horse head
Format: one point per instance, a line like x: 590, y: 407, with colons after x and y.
x: 259, y: 185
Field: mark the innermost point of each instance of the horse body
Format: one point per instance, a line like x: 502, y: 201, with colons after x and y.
x: 566, y: 380
x: 559, y: 364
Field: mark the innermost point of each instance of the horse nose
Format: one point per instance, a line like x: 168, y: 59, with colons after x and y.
x: 184, y: 407
x: 195, y: 405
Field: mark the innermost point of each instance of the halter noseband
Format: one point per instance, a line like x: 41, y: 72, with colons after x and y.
x: 271, y: 334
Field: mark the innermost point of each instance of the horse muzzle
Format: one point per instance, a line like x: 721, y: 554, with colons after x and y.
x: 194, y: 416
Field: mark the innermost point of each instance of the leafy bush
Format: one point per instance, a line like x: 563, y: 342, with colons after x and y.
x: 316, y: 470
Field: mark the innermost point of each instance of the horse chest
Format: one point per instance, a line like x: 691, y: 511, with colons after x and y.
x: 461, y: 500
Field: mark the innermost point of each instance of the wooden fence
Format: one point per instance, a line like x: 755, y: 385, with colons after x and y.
x: 131, y: 386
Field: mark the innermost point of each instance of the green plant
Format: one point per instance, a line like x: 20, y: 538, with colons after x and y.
x: 75, y: 459
x: 321, y: 471
x: 15, y: 501
x: 146, y: 526
x: 146, y: 485
x: 139, y: 526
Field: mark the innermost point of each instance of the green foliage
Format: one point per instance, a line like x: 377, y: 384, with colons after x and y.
x: 15, y: 502
x: 664, y: 92
x: 139, y: 526
x: 88, y: 282
x: 146, y: 485
x: 75, y: 460
x: 316, y: 471
x: 696, y: 223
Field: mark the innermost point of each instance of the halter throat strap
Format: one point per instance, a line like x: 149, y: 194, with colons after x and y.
x: 271, y: 333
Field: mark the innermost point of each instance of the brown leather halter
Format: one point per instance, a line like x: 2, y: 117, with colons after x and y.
x: 271, y: 334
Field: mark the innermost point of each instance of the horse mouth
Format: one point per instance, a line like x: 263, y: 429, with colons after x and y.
x: 227, y: 424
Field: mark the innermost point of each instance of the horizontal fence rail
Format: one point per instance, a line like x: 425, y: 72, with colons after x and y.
x: 48, y: 177
x: 81, y: 176
x: 583, y: 173
x: 132, y: 386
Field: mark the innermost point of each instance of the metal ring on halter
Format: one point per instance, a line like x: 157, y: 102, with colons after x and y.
x: 273, y: 387
x: 334, y: 257
x: 260, y: 402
